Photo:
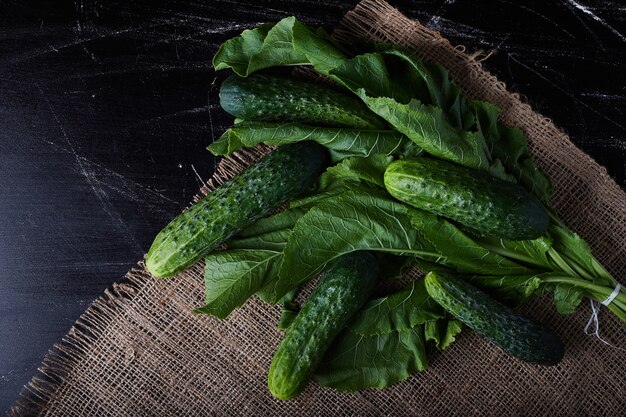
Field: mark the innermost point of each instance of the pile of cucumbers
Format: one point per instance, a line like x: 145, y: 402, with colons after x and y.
x: 386, y: 167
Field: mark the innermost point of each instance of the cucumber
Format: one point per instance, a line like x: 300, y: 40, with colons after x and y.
x: 254, y: 193
x: 269, y: 97
x: 340, y: 293
x: 495, y: 321
x: 483, y: 203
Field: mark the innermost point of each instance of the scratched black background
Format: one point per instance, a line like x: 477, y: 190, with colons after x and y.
x: 105, y: 111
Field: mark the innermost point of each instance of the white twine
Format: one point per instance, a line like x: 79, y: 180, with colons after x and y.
x: 595, y: 315
x: 612, y: 296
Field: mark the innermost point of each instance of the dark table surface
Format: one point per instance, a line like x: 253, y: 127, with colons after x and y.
x: 106, y: 108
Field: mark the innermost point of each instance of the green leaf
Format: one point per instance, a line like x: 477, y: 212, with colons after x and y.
x: 402, y: 310
x: 435, y: 80
x: 442, y: 332
x: 567, y: 298
x: 533, y: 252
x: 286, y: 43
x: 576, y: 253
x: 399, y: 74
x: 369, y: 169
x: 369, y: 219
x: 233, y: 276
x: 250, y: 264
x: 355, y: 361
x: 509, y: 288
x: 341, y: 142
x: 341, y: 224
x: 237, y: 52
x: 426, y: 125
x: 459, y: 250
x: 370, y: 72
x: 510, y: 146
x: 453, y: 328
x: 268, y: 233
x: 225, y: 145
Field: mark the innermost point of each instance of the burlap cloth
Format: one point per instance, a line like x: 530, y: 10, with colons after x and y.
x: 139, y: 351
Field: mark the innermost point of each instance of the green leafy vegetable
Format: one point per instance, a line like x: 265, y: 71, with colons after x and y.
x: 356, y: 361
x: 288, y: 42
x: 442, y: 332
x: 351, y: 211
x: 427, y: 126
x: 341, y: 142
x: 400, y: 311
x: 368, y: 219
x: 396, y: 77
x: 399, y: 74
x: 252, y: 261
x: 572, y: 254
x: 231, y: 277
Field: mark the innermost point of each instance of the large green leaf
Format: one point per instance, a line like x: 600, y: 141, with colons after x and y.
x: 369, y: 219
x: 426, y: 125
x: 353, y: 220
x: 399, y: 311
x: 533, y: 252
x: 399, y: 74
x: 250, y: 263
x: 288, y: 42
x: 341, y: 142
x: 355, y: 361
x: 458, y: 250
x: 233, y: 276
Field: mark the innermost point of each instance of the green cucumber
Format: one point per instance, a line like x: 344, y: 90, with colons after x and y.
x: 340, y: 293
x: 513, y: 333
x: 261, y: 188
x: 270, y: 97
x: 483, y: 203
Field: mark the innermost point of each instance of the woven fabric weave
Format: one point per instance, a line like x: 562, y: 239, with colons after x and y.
x: 139, y: 349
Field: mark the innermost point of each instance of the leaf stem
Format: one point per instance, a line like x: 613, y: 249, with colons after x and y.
x: 579, y: 269
x: 597, y: 292
x: 556, y: 257
x: 509, y: 253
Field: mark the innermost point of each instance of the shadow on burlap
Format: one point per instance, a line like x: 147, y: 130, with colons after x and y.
x: 139, y: 350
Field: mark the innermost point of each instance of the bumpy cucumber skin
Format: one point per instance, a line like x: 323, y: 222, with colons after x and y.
x: 266, y: 97
x: 343, y: 289
x: 496, y: 322
x: 260, y: 189
x: 473, y: 198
